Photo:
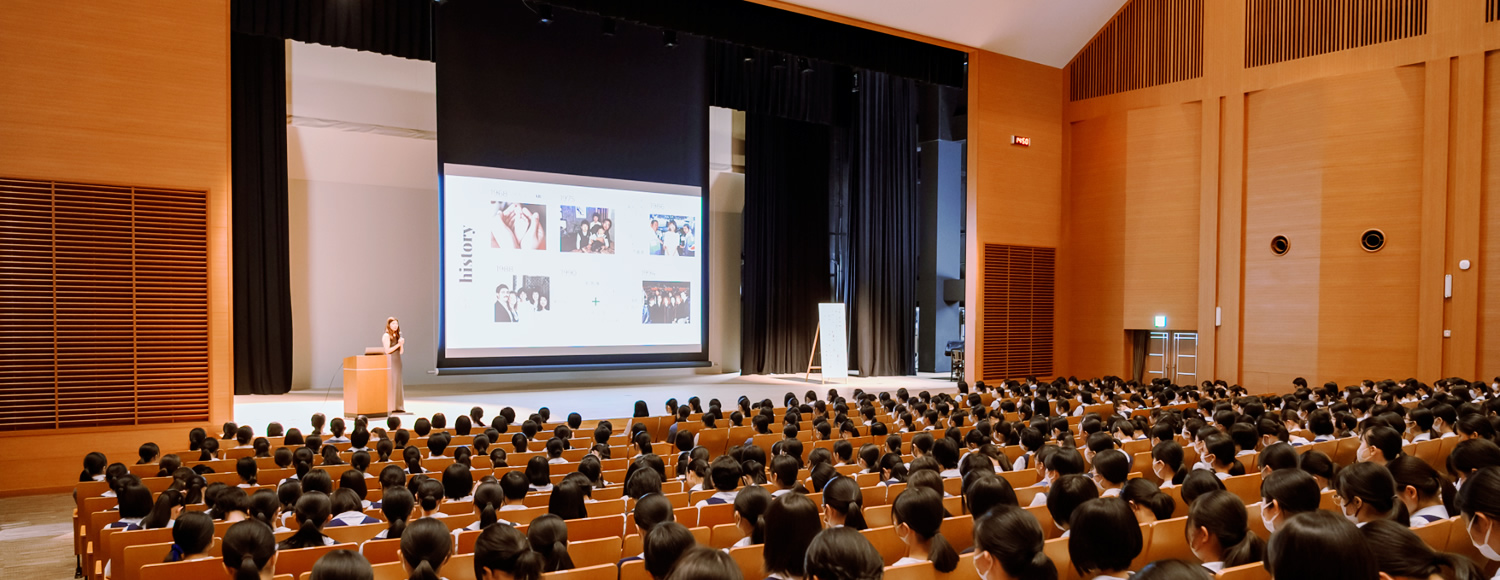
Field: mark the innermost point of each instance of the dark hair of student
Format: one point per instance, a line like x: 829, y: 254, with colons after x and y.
x: 247, y: 468
x: 148, y: 453
x: 1014, y: 539
x: 842, y: 554
x: 568, y: 501
x: 664, y: 545
x: 428, y: 493
x: 790, y: 524
x: 843, y: 495
x: 1278, y: 456
x: 93, y: 464
x: 1223, y: 514
x: 548, y: 536
x: 1067, y: 493
x: 195, y: 438
x: 1472, y: 455
x: 293, y: 438
x: 537, y: 472
x: 168, y: 465
x: 397, y: 505
x: 1373, y: 485
x: 248, y: 547
x: 1402, y: 554
x: 1317, y: 463
x: 317, y: 480
x: 210, y: 450
x: 1173, y: 570
x: 1171, y: 454
x: 229, y: 500
x: 262, y: 447
x: 702, y: 563
x: 413, y: 458
x: 263, y: 506
x: 1104, y: 536
x: 192, y: 534
x: 650, y: 511
x: 313, y: 510
x: 1199, y: 482
x: 921, y: 511
x: 342, y: 565
x: 1142, y: 492
x: 1320, y: 545
x: 983, y: 491
x: 457, y: 481
x: 161, y: 510
x: 506, y: 549
x: 425, y: 546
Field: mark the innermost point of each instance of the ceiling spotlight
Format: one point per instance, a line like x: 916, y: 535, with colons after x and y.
x: 669, y: 38
x: 807, y: 67
x: 544, y: 14
x: 609, y: 27
x: 749, y: 58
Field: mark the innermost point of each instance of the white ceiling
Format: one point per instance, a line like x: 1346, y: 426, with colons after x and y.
x: 1044, y: 31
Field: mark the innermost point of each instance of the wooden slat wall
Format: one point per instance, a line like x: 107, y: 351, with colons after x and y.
x: 1017, y: 338
x: 1491, y: 10
x: 103, y: 305
x: 1149, y: 43
x: 1282, y: 30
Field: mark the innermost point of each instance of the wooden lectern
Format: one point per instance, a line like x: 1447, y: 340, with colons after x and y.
x: 367, y: 385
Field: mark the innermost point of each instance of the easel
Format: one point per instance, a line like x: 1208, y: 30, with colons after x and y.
x: 811, y: 355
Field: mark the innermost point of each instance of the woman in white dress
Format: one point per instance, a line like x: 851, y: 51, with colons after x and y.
x: 394, y: 345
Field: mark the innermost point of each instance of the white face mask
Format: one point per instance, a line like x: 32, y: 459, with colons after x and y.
x: 1484, y: 545
x: 1267, y: 520
x: 1353, y: 518
x: 982, y: 573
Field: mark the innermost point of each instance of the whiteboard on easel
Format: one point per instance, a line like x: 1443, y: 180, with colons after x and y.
x: 835, y: 340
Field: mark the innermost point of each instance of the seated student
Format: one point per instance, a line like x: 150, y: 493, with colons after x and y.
x: 230, y: 505
x: 342, y: 565
x: 892, y: 470
x: 842, y: 554
x: 650, y: 511
x: 149, y: 453
x: 1321, y: 467
x: 548, y: 536
x: 664, y: 545
x: 1276, y: 456
x: 681, y: 417
x: 1096, y: 442
x: 249, y: 551
x: 359, y: 440
x: 1365, y: 492
x: 1320, y: 545
x: 1218, y: 532
x: 843, y: 504
x: 843, y: 452
x: 135, y: 504
x: 1008, y: 546
x: 725, y: 473
x: 538, y: 474
x: 336, y: 427
x: 1111, y: 469
x: 345, y: 505
x: 1219, y: 452
x: 918, y: 516
x: 413, y: 459
x: 425, y: 546
x: 192, y: 537
x: 555, y: 449
x: 458, y: 483
x: 1057, y: 462
x: 515, y: 485
x: 488, y: 500
x: 694, y: 474
x: 313, y: 512
x: 792, y: 448
x: 1400, y: 553
x: 429, y: 496
x: 397, y: 505
x: 437, y: 445
x: 921, y: 446
x: 1064, y: 497
x: 247, y: 468
x: 791, y: 522
x: 1379, y: 445
x: 568, y: 501
x: 945, y: 451
x: 1107, y: 539
x: 784, y: 475
x: 1286, y: 493
x: 243, y: 437
x: 1419, y: 487
x: 1147, y: 500
x: 983, y: 491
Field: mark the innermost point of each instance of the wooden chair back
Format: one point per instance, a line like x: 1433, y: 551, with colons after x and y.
x: 751, y: 560
x: 595, y: 552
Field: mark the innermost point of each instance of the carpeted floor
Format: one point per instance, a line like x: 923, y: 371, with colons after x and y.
x: 36, y: 537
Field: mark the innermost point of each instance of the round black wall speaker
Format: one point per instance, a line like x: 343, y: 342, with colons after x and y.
x: 1280, y: 245
x: 1372, y: 240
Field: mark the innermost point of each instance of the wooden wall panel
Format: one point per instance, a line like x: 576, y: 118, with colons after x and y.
x: 1093, y: 250
x: 1148, y: 43
x: 1372, y: 178
x: 1282, y: 30
x: 1489, y: 314
x: 1162, y: 153
x: 110, y: 92
x: 1019, y: 287
x: 1283, y: 185
x: 1015, y: 193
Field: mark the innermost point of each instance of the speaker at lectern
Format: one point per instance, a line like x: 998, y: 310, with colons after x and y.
x: 372, y: 384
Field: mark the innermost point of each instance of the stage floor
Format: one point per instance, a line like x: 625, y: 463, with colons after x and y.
x: 603, y: 397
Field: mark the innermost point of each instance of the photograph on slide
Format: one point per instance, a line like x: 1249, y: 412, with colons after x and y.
x: 587, y: 230
x: 518, y: 226
x: 523, y: 298
x: 673, y: 235
x: 666, y: 302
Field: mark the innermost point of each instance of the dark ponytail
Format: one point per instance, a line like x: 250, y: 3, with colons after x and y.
x: 93, y: 464
x: 488, y: 499
x: 1014, y: 539
x: 248, y: 546
x: 751, y: 504
x: 921, y: 509
x: 506, y: 549
x: 313, y: 508
x: 413, y: 458
x: 1400, y: 553
x: 1142, y: 492
x: 425, y: 547
x: 548, y: 536
x: 843, y: 496
x: 1223, y: 514
x: 397, y: 505
x: 1373, y: 484
x: 429, y: 494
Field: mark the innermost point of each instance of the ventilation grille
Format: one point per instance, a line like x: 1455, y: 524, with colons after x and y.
x: 103, y: 305
x: 1016, y: 337
x: 1149, y: 43
x: 1282, y: 30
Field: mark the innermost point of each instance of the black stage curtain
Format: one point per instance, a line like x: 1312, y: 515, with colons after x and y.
x: 882, y: 265
x: 396, y: 27
x: 785, y: 273
x: 774, y: 83
x: 262, y: 287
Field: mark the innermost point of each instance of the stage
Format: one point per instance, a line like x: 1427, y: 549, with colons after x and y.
x: 598, y: 398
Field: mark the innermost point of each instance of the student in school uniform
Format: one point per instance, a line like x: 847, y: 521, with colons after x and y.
x: 1218, y: 532
x: 1107, y: 539
x: 749, y: 507
x: 345, y: 505
x: 791, y: 522
x: 515, y: 486
x: 1065, y: 495
x: 918, y: 516
x: 651, y: 510
x: 1365, y: 492
x: 1418, y: 486
x: 1111, y: 469
x: 725, y: 473
x: 135, y: 504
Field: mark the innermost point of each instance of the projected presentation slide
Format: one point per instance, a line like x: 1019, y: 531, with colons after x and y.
x: 543, y: 264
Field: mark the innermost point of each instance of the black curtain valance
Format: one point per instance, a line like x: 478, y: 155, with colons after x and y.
x: 396, y: 27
